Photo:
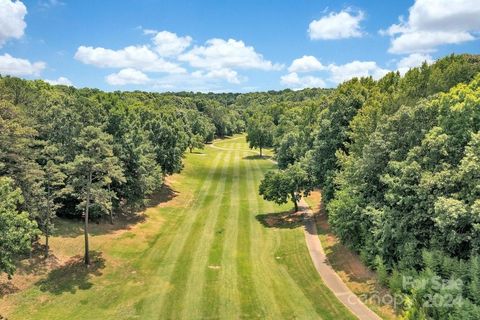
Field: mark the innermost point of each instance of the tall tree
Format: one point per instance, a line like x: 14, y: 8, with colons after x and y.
x: 92, y: 170
x: 53, y: 181
x: 260, y: 131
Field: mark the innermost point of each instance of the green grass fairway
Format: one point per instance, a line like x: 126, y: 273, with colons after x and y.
x: 211, y: 252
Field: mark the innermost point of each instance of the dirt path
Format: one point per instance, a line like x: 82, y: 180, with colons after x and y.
x: 328, y: 275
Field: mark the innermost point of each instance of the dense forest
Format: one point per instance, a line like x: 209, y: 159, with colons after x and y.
x: 86, y: 153
x: 397, y: 161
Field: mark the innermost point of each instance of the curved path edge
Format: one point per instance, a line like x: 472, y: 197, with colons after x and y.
x: 327, y: 273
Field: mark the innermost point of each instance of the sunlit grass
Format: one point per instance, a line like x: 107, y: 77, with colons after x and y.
x: 204, y: 254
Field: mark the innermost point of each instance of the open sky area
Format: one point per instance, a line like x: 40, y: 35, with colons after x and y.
x: 224, y: 46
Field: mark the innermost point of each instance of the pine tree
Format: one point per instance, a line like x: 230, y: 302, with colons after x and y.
x: 92, y: 170
x: 53, y: 183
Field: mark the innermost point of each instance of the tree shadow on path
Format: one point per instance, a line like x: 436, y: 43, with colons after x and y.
x: 73, y: 275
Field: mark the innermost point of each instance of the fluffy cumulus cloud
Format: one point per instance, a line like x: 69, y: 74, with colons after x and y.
x: 12, y: 24
x: 229, y: 75
x: 432, y: 23
x: 356, y: 69
x: 168, y: 44
x: 60, y: 80
x: 292, y: 80
x: 412, y: 61
x: 127, y: 76
x: 334, y: 73
x: 19, y: 67
x: 337, y: 25
x: 306, y: 64
x: 137, y: 57
x: 231, y: 53
x: 215, y: 63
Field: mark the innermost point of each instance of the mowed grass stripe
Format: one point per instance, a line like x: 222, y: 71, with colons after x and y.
x: 259, y: 245
x: 197, y: 274
x: 306, y: 291
x: 174, y: 303
x: 292, y: 299
x: 250, y: 304
x: 220, y: 297
x: 165, y: 258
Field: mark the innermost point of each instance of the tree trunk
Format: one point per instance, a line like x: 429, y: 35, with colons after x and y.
x: 111, y: 207
x: 260, y: 152
x: 87, y: 253
x: 47, y: 220
x: 294, y: 200
x: 46, y: 243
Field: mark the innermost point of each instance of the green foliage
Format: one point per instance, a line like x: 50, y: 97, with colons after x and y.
x: 16, y: 229
x: 91, y: 171
x: 291, y: 183
x: 382, y: 272
x: 51, y: 189
x: 397, y: 161
x: 260, y: 131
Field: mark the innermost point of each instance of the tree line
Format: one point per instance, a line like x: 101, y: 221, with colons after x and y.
x: 90, y: 154
x: 398, y: 164
x: 396, y: 159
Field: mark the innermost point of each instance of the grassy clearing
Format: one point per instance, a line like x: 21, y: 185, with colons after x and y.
x: 206, y: 253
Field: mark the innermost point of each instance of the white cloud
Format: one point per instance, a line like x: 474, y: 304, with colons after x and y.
x: 229, y: 75
x: 426, y: 41
x: 19, y: 67
x: 169, y: 44
x: 149, y: 31
x: 12, y: 24
x: 334, y: 73
x: 355, y: 69
x: 306, y: 64
x: 412, y: 61
x: 212, y: 65
x: 127, y: 76
x: 337, y: 25
x: 138, y: 57
x: 292, y: 80
x: 220, y: 54
x: 47, y: 4
x: 432, y: 23
x: 60, y: 80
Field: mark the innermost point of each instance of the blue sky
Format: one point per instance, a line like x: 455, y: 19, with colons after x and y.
x: 228, y: 45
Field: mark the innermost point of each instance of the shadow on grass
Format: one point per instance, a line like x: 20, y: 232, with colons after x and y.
x: 36, y: 263
x: 73, y: 275
x: 281, y: 220
x: 7, y: 288
x: 73, y: 227
x: 257, y: 157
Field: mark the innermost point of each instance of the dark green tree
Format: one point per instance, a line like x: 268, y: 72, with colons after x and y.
x: 280, y: 186
x: 260, y: 130
x: 16, y: 228
x: 92, y: 170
